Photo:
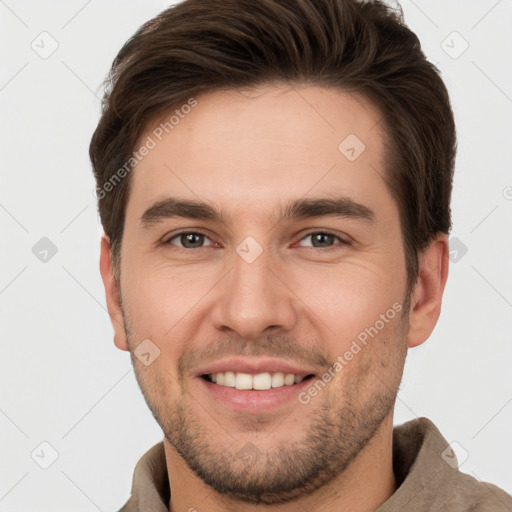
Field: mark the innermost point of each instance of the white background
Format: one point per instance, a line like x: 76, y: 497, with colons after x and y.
x: 61, y: 378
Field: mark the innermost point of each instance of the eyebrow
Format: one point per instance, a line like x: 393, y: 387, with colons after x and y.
x: 343, y: 207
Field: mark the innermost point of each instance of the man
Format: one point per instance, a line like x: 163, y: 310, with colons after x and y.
x: 274, y: 182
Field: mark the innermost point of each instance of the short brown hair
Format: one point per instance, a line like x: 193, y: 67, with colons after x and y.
x: 359, y: 46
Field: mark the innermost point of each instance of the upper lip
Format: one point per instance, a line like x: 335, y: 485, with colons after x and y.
x: 254, y: 366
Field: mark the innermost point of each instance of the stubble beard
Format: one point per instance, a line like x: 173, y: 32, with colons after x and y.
x: 290, y: 470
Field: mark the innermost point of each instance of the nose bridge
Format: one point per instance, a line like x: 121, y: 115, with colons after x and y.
x: 252, y: 297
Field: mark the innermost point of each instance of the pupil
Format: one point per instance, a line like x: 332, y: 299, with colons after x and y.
x: 188, y: 240
x: 321, y: 237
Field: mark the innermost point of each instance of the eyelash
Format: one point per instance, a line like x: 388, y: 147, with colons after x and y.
x: 323, y: 232
x: 341, y: 241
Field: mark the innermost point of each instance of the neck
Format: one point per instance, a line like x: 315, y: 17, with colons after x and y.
x: 365, y: 485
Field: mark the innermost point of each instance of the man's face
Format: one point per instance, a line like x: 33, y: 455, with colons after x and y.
x: 258, y: 292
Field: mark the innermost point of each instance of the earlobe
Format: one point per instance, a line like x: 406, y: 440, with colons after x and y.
x: 428, y: 292
x: 112, y: 295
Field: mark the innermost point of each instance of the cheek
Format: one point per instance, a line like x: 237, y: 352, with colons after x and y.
x: 370, y: 363
x: 161, y: 300
x: 351, y: 297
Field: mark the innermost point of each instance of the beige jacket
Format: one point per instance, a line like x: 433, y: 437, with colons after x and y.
x: 426, y: 471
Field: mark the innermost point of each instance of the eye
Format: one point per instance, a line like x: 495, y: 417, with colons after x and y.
x: 323, y: 239
x: 189, y: 240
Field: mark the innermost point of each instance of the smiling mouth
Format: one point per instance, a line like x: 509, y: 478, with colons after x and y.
x: 258, y: 382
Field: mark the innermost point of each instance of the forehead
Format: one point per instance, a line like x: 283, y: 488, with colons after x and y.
x: 250, y: 148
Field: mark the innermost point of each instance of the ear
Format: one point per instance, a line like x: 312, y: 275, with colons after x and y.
x: 427, y: 294
x: 112, y: 295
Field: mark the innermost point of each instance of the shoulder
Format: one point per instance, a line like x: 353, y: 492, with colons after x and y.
x: 428, y: 475
x: 472, y: 495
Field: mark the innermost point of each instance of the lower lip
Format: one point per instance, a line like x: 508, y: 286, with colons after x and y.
x: 252, y: 401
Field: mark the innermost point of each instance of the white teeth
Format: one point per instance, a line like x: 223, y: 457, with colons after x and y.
x: 229, y: 379
x: 260, y: 381
x: 289, y: 379
x: 278, y: 380
x: 243, y: 381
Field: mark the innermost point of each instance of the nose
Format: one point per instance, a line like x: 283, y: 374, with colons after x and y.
x: 254, y: 297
